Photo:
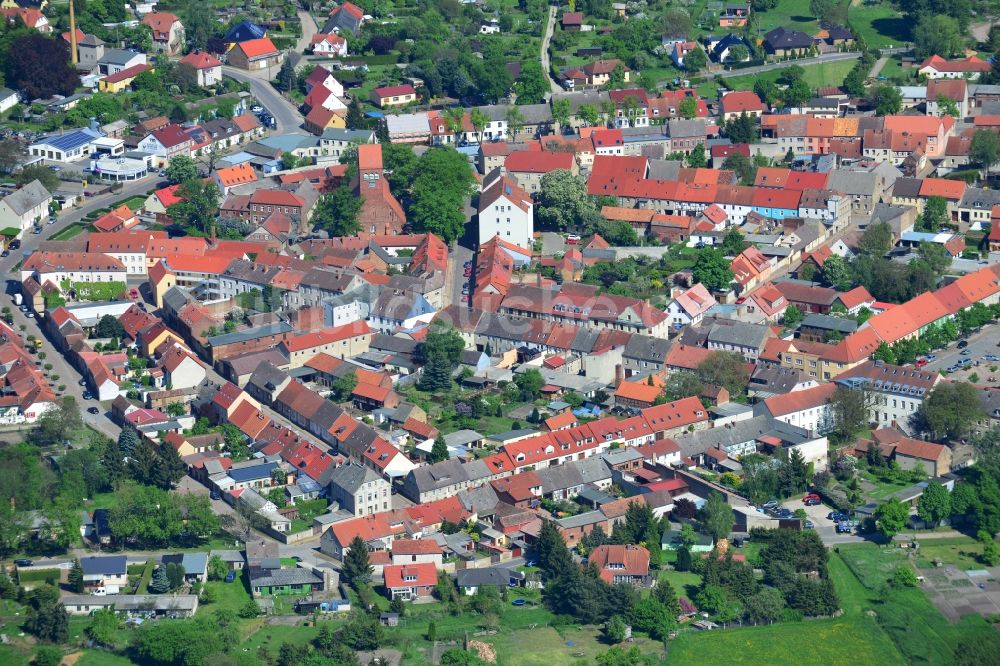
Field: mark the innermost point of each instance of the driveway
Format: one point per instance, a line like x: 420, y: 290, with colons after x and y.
x: 308, y: 30
x: 552, y: 243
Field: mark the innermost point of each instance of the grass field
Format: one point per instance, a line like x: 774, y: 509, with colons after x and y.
x: 822, y: 74
x: 853, y: 638
x: 880, y: 24
x: 918, y: 629
x: 69, y: 232
x: 962, y: 553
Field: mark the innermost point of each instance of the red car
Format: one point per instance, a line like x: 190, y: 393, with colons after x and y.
x: 133, y: 294
x: 811, y: 496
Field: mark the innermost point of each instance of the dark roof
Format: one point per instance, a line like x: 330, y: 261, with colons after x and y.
x: 491, y: 577
x: 782, y: 38
x: 244, y: 32
x: 252, y: 472
x: 260, y: 577
x: 106, y: 565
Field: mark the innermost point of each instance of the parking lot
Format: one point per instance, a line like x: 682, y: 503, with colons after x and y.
x: 817, y: 514
x: 979, y: 345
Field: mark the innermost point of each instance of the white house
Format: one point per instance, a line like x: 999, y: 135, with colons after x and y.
x: 73, y: 266
x: 331, y: 46
x: 689, y: 307
x: 25, y: 207
x: 506, y: 210
x: 67, y: 147
x: 896, y: 392
x: 209, y: 67
x: 8, y: 99
x: 181, y: 369
x: 809, y: 409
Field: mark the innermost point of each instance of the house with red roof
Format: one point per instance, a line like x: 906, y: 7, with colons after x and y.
x: 233, y: 176
x: 119, y: 219
x: 345, y: 16
x: 637, y: 394
x: 168, y: 32
x: 181, y: 368
x: 416, y: 551
x: 688, y: 307
x: 969, y: 68
x: 767, y: 302
x: 255, y: 55
x: 625, y: 563
x: 733, y: 104
x: 528, y: 167
x: 391, y: 96
x: 380, y: 212
x: 166, y: 143
x: 208, y: 67
x: 329, y: 45
x: 410, y: 581
x: 810, y: 409
x: 119, y: 81
x: 157, y: 203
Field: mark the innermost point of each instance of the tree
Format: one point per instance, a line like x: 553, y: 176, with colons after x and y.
x: 531, y: 86
x: 198, y: 207
x: 440, y: 192
x: 792, y: 316
x: 937, y: 34
x: 32, y: 172
x: 733, y: 242
x: 563, y: 203
x: 885, y: 99
x: 530, y: 383
x: 175, y: 574
x: 935, y: 214
x: 109, y: 327
x: 985, y: 149
x: 836, y: 273
x: 217, y: 568
x: 104, y: 626
x: 160, y: 582
x: 357, y: 570
x: 695, y: 60
x: 876, y: 240
x: 169, y: 468
x: 684, y: 559
x: 727, y: 369
x: 551, y: 553
x: 38, y: 67
x: 738, y: 53
x: 851, y: 411
x: 947, y: 106
x: 934, y: 504
x: 950, y: 410
x: 677, y: 23
x: 766, y: 606
x: 854, y: 82
x: 181, y: 169
x: 696, y: 158
x: 561, y: 113
x: 891, y: 517
x: 797, y: 93
x: 439, y: 451
x: 829, y: 11
x: 712, y: 270
x: 75, y: 577
x: 793, y: 473
x: 717, y: 516
x: 343, y: 387
x: 742, y: 166
x: 199, y: 25
x: 440, y: 353
x: 250, y: 610
x: 767, y: 91
x: 614, y: 630
x: 12, y: 152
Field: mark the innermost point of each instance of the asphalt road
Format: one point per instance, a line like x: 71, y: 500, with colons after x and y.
x: 68, y: 375
x: 286, y: 116
x: 456, y: 274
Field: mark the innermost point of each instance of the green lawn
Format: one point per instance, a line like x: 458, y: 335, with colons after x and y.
x: 792, y: 14
x: 962, y: 553
x: 69, y: 232
x: 919, y: 630
x: 231, y: 596
x: 822, y: 74
x: 549, y: 646
x: 880, y: 24
x: 684, y: 583
x: 99, y: 658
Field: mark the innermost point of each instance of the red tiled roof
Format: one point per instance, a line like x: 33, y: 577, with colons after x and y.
x: 256, y: 48
x: 797, y: 401
x: 415, y: 547
x: 395, y: 91
x: 538, y: 162
x: 201, y: 60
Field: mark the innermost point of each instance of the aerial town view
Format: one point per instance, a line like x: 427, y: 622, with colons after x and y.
x: 470, y: 332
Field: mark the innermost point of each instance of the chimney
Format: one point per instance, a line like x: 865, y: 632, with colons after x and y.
x: 619, y: 374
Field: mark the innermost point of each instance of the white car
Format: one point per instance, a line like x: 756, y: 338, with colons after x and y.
x: 257, y: 109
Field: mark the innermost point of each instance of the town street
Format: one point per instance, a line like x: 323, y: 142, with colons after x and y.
x: 286, y: 116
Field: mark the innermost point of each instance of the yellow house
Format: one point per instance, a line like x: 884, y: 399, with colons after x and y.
x: 321, y: 118
x: 115, y: 83
x: 155, y: 336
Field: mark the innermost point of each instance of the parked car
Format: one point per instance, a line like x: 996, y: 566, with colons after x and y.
x: 770, y: 504
x: 467, y: 264
x: 5, y: 253
x: 931, y: 357
x: 962, y: 344
x: 808, y: 525
x: 843, y: 528
x: 133, y: 293
x: 23, y: 562
x: 836, y: 516
x: 991, y: 357
x: 812, y: 501
x: 809, y: 496
x: 572, y: 239
x: 921, y: 362
x: 966, y: 352
x: 215, y: 495
x: 87, y: 396
x: 93, y: 410
x: 231, y: 576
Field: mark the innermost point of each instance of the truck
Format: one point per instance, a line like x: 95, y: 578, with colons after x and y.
x: 18, y: 299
